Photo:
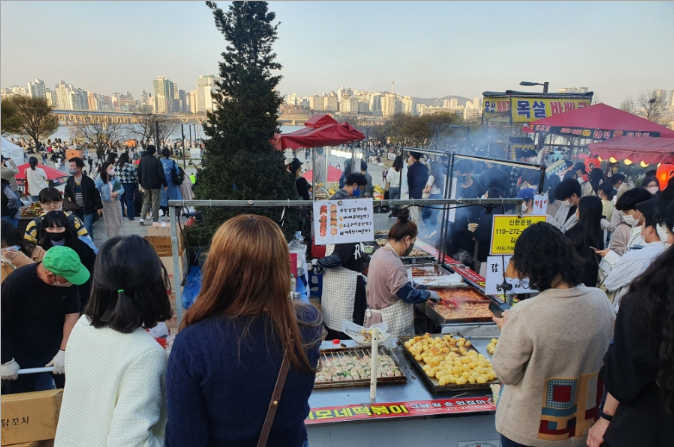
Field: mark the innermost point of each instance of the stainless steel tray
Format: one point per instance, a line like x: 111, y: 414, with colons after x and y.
x: 360, y: 352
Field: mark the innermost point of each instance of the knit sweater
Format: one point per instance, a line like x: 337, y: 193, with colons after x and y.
x: 115, y: 392
x: 548, y: 359
x: 220, y: 379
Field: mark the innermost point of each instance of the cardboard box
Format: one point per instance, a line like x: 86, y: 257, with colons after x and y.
x: 163, y: 230
x: 30, y: 417
x: 47, y: 443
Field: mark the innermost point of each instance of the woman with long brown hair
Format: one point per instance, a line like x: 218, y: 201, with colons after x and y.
x: 225, y: 362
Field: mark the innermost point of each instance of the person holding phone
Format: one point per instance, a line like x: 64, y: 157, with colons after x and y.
x: 549, y: 389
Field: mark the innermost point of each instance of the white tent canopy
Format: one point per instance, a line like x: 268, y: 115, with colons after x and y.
x: 11, y: 150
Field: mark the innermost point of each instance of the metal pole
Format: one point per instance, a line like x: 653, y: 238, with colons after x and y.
x: 177, y: 273
x: 189, y: 126
x: 313, y: 173
x: 445, y: 210
x: 545, y: 87
x: 156, y: 133
x: 182, y: 131
x: 353, y: 161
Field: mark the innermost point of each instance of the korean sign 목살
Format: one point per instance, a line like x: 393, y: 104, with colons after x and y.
x: 343, y: 221
x: 527, y: 110
x: 507, y: 228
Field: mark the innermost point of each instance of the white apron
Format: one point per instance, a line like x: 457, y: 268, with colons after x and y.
x: 339, y: 294
x: 399, y: 317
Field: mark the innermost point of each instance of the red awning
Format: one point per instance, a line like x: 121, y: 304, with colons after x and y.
x: 52, y: 174
x: 333, y: 174
x: 320, y: 120
x: 600, y: 122
x: 328, y: 135
x: 648, y: 150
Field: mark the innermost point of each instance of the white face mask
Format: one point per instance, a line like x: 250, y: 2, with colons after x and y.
x: 662, y: 232
x: 630, y: 220
x: 653, y: 190
x: 111, y: 173
x: 564, y: 204
x: 524, y: 206
x: 65, y: 284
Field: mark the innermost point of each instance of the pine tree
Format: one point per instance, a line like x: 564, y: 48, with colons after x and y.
x: 240, y: 162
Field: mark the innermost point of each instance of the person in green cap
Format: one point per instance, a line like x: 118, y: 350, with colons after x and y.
x: 39, y: 309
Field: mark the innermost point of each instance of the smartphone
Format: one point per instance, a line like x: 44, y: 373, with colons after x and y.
x: 595, y: 249
x: 498, y: 310
x: 15, y: 248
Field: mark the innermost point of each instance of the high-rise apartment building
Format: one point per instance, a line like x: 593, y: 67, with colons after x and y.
x: 348, y: 105
x: 316, y: 102
x: 205, y: 85
x: 375, y: 103
x: 193, y: 101
x: 37, y: 89
x: 388, y: 105
x: 408, y: 105
x: 167, y: 88
x: 51, y: 98
x: 331, y: 102
x: 78, y: 99
x: 92, y: 100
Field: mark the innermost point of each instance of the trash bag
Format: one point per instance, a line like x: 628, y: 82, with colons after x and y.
x: 192, y: 288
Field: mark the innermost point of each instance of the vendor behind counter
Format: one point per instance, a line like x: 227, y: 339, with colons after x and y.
x: 390, y: 296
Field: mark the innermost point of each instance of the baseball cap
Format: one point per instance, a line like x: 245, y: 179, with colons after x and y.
x: 580, y: 166
x: 64, y: 261
x: 526, y: 194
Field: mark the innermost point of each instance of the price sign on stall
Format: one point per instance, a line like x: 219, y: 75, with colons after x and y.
x: 540, y: 205
x: 343, y: 221
x: 507, y: 228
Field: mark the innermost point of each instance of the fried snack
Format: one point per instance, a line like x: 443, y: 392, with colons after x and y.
x: 450, y: 360
x: 491, y: 347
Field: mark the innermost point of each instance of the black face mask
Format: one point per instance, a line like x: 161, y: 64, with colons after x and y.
x: 57, y: 237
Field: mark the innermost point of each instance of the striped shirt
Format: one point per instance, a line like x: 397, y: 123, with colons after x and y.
x: 79, y: 200
x: 34, y: 226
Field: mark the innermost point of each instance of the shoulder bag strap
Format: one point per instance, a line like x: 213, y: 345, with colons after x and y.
x: 274, y: 402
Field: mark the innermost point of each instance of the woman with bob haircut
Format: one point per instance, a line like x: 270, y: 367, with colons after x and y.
x: 115, y: 392
x: 226, y: 361
x: 551, y: 347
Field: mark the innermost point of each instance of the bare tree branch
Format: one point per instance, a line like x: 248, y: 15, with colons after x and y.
x: 99, y: 136
x: 651, y: 104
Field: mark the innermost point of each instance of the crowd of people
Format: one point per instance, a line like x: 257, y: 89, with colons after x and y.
x: 602, y: 266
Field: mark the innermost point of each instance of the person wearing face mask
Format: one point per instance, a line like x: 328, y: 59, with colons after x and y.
x: 39, y: 309
x: 51, y: 200
x: 651, y: 185
x: 568, y: 192
x: 110, y: 189
x: 527, y: 195
x: 390, y: 294
x: 58, y: 231
x: 80, y: 194
x: 628, y: 232
x: 343, y: 283
x: 635, y: 261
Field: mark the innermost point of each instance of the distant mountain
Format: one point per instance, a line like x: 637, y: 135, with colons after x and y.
x: 438, y: 101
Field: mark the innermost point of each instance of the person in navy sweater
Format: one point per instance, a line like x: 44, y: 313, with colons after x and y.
x: 225, y: 361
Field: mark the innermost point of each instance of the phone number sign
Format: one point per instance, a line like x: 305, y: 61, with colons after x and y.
x: 506, y: 230
x: 399, y: 410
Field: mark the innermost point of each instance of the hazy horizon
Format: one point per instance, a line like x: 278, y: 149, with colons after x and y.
x: 431, y: 49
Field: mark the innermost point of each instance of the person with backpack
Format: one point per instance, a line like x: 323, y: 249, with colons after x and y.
x: 174, y: 180
x: 151, y: 178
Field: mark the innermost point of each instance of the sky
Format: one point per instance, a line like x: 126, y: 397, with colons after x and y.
x: 431, y: 49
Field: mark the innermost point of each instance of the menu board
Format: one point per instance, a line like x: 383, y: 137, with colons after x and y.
x: 342, y: 221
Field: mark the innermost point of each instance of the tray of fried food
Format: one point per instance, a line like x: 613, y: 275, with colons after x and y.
x: 459, y: 304
x: 427, y: 270
x: 449, y: 362
x: 351, y: 367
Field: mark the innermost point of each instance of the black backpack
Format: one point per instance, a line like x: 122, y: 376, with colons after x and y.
x: 175, y: 175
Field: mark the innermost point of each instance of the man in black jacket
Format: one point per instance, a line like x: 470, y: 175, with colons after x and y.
x: 151, y: 177
x: 81, y: 191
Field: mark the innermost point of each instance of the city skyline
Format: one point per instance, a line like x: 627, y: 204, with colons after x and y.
x: 430, y: 49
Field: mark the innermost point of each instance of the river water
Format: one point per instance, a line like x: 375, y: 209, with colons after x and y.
x: 63, y: 132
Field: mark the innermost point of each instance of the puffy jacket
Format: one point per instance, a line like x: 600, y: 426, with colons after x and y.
x: 151, y: 173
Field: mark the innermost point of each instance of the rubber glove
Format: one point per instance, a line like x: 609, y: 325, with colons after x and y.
x: 58, y: 362
x: 434, y: 297
x: 9, y: 370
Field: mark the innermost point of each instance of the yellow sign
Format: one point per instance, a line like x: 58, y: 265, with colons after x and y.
x: 506, y: 230
x: 527, y: 110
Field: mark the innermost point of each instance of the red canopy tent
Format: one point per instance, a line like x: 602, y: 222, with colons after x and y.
x: 599, y: 122
x: 52, y: 174
x: 333, y: 174
x: 321, y: 130
x: 648, y: 150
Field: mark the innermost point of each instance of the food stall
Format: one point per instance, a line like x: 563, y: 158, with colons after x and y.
x: 450, y: 409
